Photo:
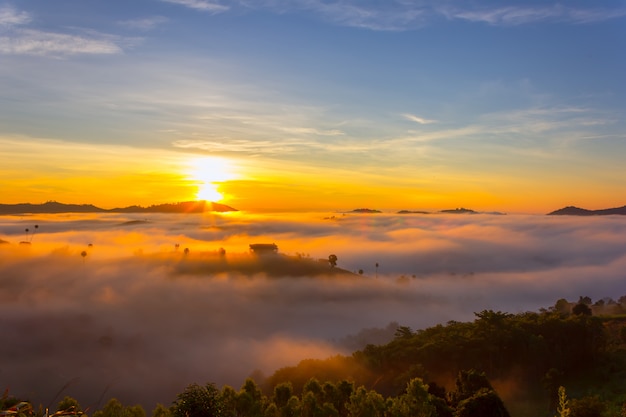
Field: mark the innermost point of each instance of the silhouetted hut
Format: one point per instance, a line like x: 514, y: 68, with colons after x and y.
x: 263, y: 248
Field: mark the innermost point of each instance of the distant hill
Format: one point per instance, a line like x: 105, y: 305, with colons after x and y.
x: 449, y: 211
x: 459, y: 211
x: 576, y: 211
x: 52, y: 207
x: 184, y: 207
x: 453, y: 211
x: 49, y: 207
x: 365, y: 210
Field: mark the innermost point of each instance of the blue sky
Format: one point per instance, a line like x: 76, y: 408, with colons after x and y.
x: 505, y: 102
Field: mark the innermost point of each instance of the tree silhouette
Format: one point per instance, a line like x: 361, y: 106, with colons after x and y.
x: 332, y: 260
x: 282, y: 393
x: 34, y: 231
x: 589, y: 406
x: 198, y: 401
x: 69, y: 407
x: 114, y: 408
x: 581, y: 309
x: 485, y: 403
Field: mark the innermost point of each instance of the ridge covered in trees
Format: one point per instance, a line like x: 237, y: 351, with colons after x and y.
x: 52, y: 207
x: 577, y: 211
x: 569, y: 359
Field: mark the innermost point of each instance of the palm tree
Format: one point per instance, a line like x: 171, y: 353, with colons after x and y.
x: 34, y: 231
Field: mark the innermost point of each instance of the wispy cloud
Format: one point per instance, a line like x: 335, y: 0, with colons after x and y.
x: 391, y: 15
x: 146, y: 23
x: 284, y: 146
x: 526, y: 122
x: 573, y: 120
x: 11, y: 17
x: 19, y: 39
x: 595, y: 15
x: 520, y: 15
x: 36, y: 42
x: 236, y: 145
x: 202, y: 5
x: 412, y: 14
x: 313, y: 131
x: 418, y: 119
x: 384, y: 16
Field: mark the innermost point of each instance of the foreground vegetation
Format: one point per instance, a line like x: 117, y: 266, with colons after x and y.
x: 568, y: 360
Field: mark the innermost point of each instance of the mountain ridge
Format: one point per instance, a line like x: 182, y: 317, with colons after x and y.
x: 53, y: 207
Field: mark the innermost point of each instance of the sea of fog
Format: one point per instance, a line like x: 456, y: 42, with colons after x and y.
x: 101, y: 306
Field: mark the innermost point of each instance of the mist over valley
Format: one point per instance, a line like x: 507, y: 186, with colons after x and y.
x: 138, y: 306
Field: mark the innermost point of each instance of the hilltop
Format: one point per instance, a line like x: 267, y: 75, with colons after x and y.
x: 459, y: 211
x: 455, y: 211
x: 577, y: 211
x: 52, y: 207
x: 365, y: 210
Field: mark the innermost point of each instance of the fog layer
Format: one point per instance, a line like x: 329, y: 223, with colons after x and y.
x: 111, y: 306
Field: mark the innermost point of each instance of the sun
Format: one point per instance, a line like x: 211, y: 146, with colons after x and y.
x: 208, y: 173
x: 209, y: 192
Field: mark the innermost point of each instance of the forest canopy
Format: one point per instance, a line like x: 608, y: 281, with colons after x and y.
x: 495, y: 363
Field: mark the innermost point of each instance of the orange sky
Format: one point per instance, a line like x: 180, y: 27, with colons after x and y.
x: 114, y: 176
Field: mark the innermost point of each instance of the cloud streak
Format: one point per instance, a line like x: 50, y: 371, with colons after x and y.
x: 521, y: 15
x: 18, y: 39
x: 417, y: 119
x: 201, y: 5
x: 407, y: 15
x: 9, y: 16
x: 36, y: 42
x: 144, y: 24
x: 552, y: 123
x: 394, y: 15
x: 397, y: 15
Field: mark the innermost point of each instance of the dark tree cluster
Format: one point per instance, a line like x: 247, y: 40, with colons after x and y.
x: 441, y: 371
x: 495, y: 343
x: 540, y: 351
x: 474, y: 397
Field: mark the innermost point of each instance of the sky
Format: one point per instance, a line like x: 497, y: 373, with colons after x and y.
x: 292, y: 105
x: 138, y: 320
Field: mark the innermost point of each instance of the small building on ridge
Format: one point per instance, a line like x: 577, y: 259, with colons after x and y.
x: 264, y: 248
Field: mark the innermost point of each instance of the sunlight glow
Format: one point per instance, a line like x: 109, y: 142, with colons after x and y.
x: 209, y: 172
x: 209, y: 192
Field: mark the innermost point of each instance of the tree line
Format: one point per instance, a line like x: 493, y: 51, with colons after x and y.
x: 445, y: 370
x: 474, y: 396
